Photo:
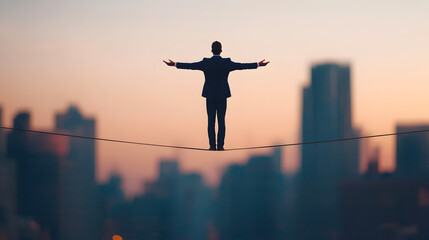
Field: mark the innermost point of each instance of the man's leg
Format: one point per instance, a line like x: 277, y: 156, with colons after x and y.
x: 221, y: 111
x: 211, y: 116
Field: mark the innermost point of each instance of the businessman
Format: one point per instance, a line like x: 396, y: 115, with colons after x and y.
x: 216, y: 88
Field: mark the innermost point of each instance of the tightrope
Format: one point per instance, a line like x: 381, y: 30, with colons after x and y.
x: 205, y: 149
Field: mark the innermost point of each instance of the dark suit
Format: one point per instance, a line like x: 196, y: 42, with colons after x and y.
x: 216, y: 89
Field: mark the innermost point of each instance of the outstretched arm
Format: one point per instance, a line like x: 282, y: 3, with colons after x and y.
x: 191, y: 66
x: 242, y: 66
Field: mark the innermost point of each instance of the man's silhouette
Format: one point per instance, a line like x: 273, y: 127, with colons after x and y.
x: 216, y: 88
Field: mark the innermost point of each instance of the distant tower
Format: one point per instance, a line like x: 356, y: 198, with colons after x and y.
x: 17, y: 141
x: 3, y: 133
x: 326, y: 114
x: 78, y: 206
x: 82, y: 151
x: 412, y: 152
x: 37, y: 158
x: 168, y: 168
x: 2, y: 140
x: 249, y: 199
x: 372, y: 171
x: 2, y: 145
x: 277, y: 158
x: 7, y: 190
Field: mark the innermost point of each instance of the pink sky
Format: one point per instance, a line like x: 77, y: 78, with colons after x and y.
x: 106, y: 57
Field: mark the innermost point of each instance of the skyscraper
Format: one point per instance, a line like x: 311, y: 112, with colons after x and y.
x: 79, y: 196
x: 37, y: 158
x: 412, y: 152
x: 174, y: 206
x: 81, y: 151
x: 7, y: 191
x: 250, y: 200
x: 2, y: 140
x: 326, y: 114
x: 384, y: 208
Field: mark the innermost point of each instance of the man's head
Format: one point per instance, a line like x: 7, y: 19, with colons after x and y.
x: 216, y: 48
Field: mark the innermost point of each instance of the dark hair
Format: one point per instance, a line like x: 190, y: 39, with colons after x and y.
x: 216, y: 47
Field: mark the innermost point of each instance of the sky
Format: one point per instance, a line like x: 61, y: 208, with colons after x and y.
x: 106, y: 57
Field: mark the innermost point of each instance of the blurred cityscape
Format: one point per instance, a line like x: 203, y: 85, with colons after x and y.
x: 48, y: 189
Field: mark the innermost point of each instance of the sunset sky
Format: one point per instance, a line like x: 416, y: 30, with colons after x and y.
x: 106, y: 58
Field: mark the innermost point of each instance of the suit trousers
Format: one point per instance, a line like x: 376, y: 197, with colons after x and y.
x: 216, y: 107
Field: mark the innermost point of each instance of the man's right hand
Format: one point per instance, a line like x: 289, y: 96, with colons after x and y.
x: 170, y: 63
x: 262, y: 63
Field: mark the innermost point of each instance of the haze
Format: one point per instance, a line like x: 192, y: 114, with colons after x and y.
x: 106, y: 58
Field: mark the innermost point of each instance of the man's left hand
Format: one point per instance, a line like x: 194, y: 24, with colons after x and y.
x: 262, y: 63
x: 170, y: 63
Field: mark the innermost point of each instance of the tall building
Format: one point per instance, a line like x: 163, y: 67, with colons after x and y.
x: 412, y: 152
x: 168, y: 170
x: 384, y: 208
x: 2, y: 133
x: 37, y: 158
x: 326, y: 114
x: 174, y: 206
x: 372, y: 171
x: 7, y: 191
x: 79, y: 209
x: 112, y: 199
x: 112, y: 191
x: 250, y: 200
x: 81, y: 151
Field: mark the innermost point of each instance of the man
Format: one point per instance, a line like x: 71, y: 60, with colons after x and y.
x: 216, y: 88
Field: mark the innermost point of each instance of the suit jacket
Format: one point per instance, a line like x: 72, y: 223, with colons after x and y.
x: 216, y: 70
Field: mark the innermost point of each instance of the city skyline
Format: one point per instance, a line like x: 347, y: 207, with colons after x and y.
x: 132, y: 187
x: 52, y: 194
x: 73, y: 114
x: 338, y: 70
x: 107, y: 59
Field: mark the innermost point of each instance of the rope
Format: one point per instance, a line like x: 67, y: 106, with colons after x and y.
x: 103, y: 139
x: 204, y: 149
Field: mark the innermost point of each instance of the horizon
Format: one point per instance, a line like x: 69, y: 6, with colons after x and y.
x: 212, y: 179
x: 106, y: 58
